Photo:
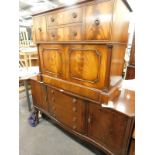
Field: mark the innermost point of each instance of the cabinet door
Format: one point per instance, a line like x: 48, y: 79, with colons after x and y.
x: 88, y: 65
x: 68, y: 110
x: 52, y: 60
x: 108, y: 128
x: 98, y: 20
x: 39, y: 95
x: 39, y: 23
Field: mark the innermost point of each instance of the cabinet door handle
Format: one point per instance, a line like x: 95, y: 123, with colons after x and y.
x: 97, y: 22
x: 74, y: 100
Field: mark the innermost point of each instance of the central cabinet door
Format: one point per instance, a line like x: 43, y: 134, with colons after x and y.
x: 52, y: 60
x: 68, y: 110
x: 108, y: 128
x: 88, y: 64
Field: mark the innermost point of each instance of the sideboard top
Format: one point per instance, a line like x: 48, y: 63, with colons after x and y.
x: 78, y: 3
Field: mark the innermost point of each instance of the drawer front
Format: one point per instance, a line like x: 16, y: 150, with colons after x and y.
x: 52, y: 19
x: 108, y: 128
x: 55, y: 34
x: 39, y: 28
x: 73, y: 32
x: 98, y: 20
x: 68, y: 110
x: 73, y: 15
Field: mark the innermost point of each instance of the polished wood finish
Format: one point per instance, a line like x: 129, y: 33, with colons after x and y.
x: 81, y: 57
x: 107, y: 127
x: 100, y: 20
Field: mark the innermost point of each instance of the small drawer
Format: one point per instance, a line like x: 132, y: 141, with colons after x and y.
x: 73, y: 32
x: 52, y: 20
x: 55, y: 34
x: 73, y: 15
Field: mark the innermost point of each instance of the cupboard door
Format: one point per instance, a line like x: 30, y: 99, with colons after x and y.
x: 108, y: 128
x: 68, y: 110
x: 52, y: 60
x: 39, y: 28
x: 88, y: 65
x: 39, y: 95
x: 98, y: 20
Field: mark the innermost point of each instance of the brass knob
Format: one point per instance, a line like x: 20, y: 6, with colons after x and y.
x: 54, y: 115
x: 53, y: 99
x: 52, y: 19
x: 54, y: 108
x: 74, y: 100
x: 40, y: 29
x: 74, y: 33
x: 74, y: 126
x: 74, y: 119
x: 74, y: 109
x: 74, y: 15
x: 52, y: 91
x: 53, y: 35
x: 97, y: 22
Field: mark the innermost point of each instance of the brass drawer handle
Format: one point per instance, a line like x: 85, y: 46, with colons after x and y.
x: 40, y: 29
x: 52, y: 91
x: 74, y: 109
x: 74, y: 119
x: 53, y: 99
x: 74, y: 15
x: 97, y: 22
x: 53, y: 35
x: 89, y: 119
x: 74, y: 100
x: 74, y: 33
x: 74, y: 126
x: 52, y: 19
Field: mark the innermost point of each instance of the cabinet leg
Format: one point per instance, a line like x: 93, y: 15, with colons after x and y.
x: 37, y: 116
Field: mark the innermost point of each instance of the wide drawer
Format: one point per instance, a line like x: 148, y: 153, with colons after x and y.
x: 67, y: 109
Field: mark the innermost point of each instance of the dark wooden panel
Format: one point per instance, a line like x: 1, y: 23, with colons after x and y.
x: 130, y: 72
x: 39, y: 95
x: 108, y: 128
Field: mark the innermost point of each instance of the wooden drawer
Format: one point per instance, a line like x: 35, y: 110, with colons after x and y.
x: 109, y: 128
x: 68, y: 110
x: 98, y: 20
x: 52, y: 19
x: 73, y: 15
x: 39, y: 28
x: 73, y: 32
x: 55, y: 34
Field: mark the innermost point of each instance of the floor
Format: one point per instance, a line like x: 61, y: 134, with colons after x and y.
x: 47, y: 138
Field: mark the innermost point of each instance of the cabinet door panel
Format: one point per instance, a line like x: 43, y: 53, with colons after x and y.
x: 98, y: 20
x: 88, y: 64
x: 39, y: 95
x: 108, y: 128
x: 52, y: 60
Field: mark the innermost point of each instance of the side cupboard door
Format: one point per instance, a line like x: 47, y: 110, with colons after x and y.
x: 52, y: 60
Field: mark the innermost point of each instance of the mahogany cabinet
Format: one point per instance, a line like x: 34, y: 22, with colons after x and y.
x: 81, y: 58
